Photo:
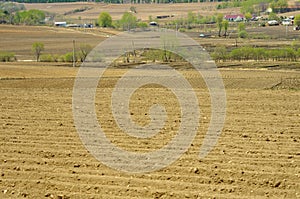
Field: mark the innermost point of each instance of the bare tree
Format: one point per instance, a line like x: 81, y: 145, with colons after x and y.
x: 37, y: 49
x: 84, y: 51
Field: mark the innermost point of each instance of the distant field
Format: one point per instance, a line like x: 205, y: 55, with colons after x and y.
x: 19, y: 39
x: 143, y: 10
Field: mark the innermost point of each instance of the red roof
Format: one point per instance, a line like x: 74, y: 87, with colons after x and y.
x: 234, y: 16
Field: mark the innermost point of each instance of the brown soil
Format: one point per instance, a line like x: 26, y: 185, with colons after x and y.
x: 117, y: 10
x: 19, y: 39
x: 257, y: 155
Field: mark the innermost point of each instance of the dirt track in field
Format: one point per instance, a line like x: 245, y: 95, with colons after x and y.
x: 257, y: 155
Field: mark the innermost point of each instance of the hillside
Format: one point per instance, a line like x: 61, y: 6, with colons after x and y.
x: 117, y: 10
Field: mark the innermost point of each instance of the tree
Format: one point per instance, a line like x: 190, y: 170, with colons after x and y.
x: 279, y: 5
x: 282, y: 4
x: 248, y: 16
x: 241, y: 27
x: 30, y: 17
x: 133, y: 9
x: 225, y: 24
x: 9, y: 8
x: 220, y: 53
x: 2, y: 15
x: 242, y: 33
x: 105, y: 19
x: 191, y: 17
x: 37, y: 49
x: 247, y: 6
x: 297, y: 20
x: 128, y: 21
x: 219, y: 23
x: 85, y: 49
x: 273, y: 16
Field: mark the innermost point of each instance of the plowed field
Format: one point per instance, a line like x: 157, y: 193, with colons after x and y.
x: 257, y: 154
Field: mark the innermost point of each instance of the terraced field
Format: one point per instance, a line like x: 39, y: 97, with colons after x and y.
x: 257, y: 155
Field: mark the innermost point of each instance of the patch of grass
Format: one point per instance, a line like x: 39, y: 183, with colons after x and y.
x: 259, y: 36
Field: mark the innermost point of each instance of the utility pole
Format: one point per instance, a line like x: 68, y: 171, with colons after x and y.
x: 73, y: 52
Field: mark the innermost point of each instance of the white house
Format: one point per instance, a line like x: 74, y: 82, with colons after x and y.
x: 60, y: 24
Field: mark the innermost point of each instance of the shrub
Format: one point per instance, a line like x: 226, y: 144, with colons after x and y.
x: 241, y: 27
x: 142, y: 25
x: 220, y: 53
x: 260, y: 36
x: 243, y: 34
x: 46, y: 58
x: 128, y: 21
x: 56, y: 58
x: 297, y: 20
x: 290, y: 54
x: 68, y: 57
x: 7, y: 56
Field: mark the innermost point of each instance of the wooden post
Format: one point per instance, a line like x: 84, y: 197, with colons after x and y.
x: 73, y: 53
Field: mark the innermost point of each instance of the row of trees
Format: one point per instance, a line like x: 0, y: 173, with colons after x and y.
x: 221, y: 53
x: 7, y: 56
x: 127, y: 22
x: 8, y: 9
x: 258, y: 54
x: 30, y: 17
x: 116, y: 1
x: 80, y: 54
x: 256, y: 6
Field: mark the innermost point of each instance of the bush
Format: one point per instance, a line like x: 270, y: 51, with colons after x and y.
x: 46, y: 58
x: 142, y: 25
x: 241, y: 27
x: 56, y: 58
x: 7, y: 56
x: 68, y: 57
x: 128, y: 21
x: 220, y: 54
x: 260, y: 36
x: 243, y: 34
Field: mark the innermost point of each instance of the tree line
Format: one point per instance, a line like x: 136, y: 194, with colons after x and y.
x: 220, y: 54
x: 122, y: 1
x: 256, y: 54
x: 258, y: 6
x: 127, y: 22
x: 13, y: 13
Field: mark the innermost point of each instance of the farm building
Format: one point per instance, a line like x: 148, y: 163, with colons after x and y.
x: 60, y: 24
x: 237, y: 17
